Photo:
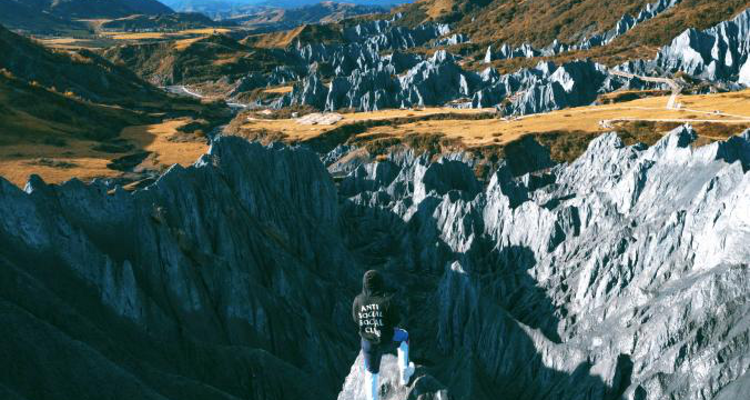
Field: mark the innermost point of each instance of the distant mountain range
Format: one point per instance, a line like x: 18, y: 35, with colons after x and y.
x: 93, y: 8
x: 56, y: 16
x: 223, y: 9
x: 61, y: 14
x: 168, y: 22
x: 287, y: 18
x: 46, y: 95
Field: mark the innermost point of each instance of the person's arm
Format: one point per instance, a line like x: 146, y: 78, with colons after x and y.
x: 355, y: 317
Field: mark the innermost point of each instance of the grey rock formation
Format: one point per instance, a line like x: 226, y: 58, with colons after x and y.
x: 452, y: 40
x: 506, y: 52
x: 440, y: 80
x: 573, y: 84
x: 363, y: 79
x: 623, y: 274
x: 370, y: 90
x: 278, y: 76
x: 549, y: 87
x: 385, y: 35
x: 744, y: 76
x: 197, y: 287
x: 422, y: 387
x: 625, y: 24
x: 720, y: 53
x: 311, y: 91
x: 593, y: 281
x: 434, y: 81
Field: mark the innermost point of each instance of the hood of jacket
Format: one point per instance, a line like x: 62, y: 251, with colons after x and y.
x: 373, y: 283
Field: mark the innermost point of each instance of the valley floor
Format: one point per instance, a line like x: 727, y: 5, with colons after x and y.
x: 155, y: 147
x: 161, y: 146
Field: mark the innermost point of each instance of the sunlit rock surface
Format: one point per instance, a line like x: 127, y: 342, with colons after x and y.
x: 624, y: 274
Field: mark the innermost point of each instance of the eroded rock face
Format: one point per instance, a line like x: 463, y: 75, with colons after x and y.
x: 364, y: 79
x: 439, y: 80
x: 719, y: 54
x: 621, y: 275
x: 609, y: 279
x: 623, y: 25
x: 421, y: 386
x: 716, y: 54
x: 197, y: 287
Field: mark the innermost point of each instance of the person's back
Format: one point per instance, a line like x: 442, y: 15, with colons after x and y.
x: 376, y: 314
x: 374, y: 311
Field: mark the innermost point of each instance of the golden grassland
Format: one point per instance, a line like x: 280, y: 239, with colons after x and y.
x: 159, y: 140
x: 79, y: 159
x: 279, y: 90
x: 317, y: 33
x: 104, y: 39
x: 295, y: 131
x: 183, y: 44
x: 276, y: 39
x: 94, y: 23
x: 163, y: 35
x: 439, y: 8
x: 697, y: 109
x: 71, y: 43
x: 566, y: 132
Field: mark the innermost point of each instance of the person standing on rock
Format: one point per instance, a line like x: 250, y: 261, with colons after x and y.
x: 377, y: 316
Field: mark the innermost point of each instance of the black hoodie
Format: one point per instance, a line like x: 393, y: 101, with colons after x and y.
x: 374, y: 311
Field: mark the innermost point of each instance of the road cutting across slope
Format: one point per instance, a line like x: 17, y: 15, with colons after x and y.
x: 676, y: 88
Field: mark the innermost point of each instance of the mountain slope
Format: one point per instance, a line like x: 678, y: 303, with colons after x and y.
x: 31, y: 113
x: 22, y: 15
x: 84, y: 73
x: 58, y: 95
x: 102, y: 8
x: 59, y: 15
x: 207, y: 59
x: 324, y: 12
x: 160, y: 22
x: 540, y: 22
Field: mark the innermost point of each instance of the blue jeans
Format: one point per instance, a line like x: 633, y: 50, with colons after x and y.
x: 374, y: 352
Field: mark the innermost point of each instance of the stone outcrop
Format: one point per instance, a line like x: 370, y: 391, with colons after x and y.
x: 440, y: 80
x: 205, y: 285
x: 584, y: 275
x: 452, y: 40
x: 625, y: 24
x: 422, y: 387
x: 618, y: 275
x: 365, y: 80
x: 720, y: 53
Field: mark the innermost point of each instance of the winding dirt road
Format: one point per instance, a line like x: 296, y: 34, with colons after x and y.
x: 676, y: 88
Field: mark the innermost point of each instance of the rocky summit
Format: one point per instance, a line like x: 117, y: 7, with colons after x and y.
x: 621, y: 275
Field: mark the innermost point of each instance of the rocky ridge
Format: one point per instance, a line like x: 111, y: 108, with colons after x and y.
x: 625, y: 24
x: 719, y: 54
x: 439, y: 80
x: 616, y: 276
x: 365, y: 80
